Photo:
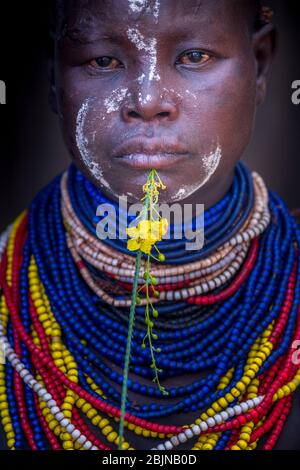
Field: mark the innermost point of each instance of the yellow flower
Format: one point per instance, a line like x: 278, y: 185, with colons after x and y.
x: 159, y: 228
x: 146, y: 234
x: 139, y: 244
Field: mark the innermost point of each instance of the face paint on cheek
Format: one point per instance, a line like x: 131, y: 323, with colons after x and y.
x: 179, y: 95
x: 113, y: 102
x: 210, y: 164
x: 188, y: 92
x: 173, y: 92
x: 82, y: 142
x: 149, y: 46
x: 192, y: 95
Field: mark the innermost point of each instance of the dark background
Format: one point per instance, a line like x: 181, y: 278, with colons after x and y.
x: 31, y: 147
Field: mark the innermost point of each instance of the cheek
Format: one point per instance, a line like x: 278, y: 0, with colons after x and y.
x: 226, y: 107
x: 87, y: 114
x: 209, y: 163
x: 87, y: 122
x: 83, y: 121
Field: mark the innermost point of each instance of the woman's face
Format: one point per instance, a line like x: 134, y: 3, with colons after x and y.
x: 170, y: 86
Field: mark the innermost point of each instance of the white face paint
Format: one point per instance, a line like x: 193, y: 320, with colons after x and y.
x: 83, y: 144
x: 168, y: 90
x: 144, y: 100
x: 137, y: 6
x: 149, y: 46
x: 210, y: 164
x: 192, y: 95
x: 188, y: 92
x: 140, y: 79
x: 180, y: 95
x: 113, y: 102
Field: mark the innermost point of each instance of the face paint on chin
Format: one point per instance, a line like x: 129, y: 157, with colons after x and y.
x: 210, y: 165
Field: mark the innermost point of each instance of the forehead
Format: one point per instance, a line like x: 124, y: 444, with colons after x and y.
x: 156, y: 16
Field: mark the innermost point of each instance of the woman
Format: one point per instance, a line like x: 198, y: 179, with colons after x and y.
x: 132, y: 96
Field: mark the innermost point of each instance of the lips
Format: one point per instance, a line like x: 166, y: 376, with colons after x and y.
x: 146, y: 154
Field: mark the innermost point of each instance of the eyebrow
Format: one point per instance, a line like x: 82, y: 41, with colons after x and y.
x: 79, y: 37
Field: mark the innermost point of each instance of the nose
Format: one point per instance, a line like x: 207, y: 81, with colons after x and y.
x: 150, y: 102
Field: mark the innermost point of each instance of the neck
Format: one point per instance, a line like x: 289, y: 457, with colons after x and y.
x: 211, y: 194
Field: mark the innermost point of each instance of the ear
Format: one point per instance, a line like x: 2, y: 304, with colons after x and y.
x: 264, y: 47
x: 52, y: 97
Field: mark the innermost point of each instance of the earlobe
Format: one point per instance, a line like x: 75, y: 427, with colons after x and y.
x: 52, y: 95
x: 264, y: 47
x: 261, y: 91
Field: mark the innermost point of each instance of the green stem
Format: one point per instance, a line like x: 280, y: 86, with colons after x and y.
x: 128, y: 348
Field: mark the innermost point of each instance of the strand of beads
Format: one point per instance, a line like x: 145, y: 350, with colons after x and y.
x: 250, y: 293
x: 82, y: 246
x: 88, y: 443
x: 3, y: 240
x: 44, y: 395
x: 243, y: 343
x: 228, y: 216
x: 39, y: 355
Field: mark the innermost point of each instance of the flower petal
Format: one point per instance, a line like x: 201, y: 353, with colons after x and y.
x: 164, y: 226
x: 146, y: 247
x: 144, y: 228
x: 133, y: 244
x: 133, y: 232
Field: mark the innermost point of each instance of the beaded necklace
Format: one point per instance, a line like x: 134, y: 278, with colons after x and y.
x: 230, y: 310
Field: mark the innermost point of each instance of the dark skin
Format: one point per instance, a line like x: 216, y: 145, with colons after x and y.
x: 226, y: 87
x: 203, y: 101
x: 227, y: 83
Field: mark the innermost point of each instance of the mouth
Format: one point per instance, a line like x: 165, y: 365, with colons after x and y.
x: 151, y: 153
x: 147, y: 161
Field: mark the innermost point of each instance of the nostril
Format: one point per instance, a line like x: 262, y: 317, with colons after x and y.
x: 133, y: 114
x: 163, y: 114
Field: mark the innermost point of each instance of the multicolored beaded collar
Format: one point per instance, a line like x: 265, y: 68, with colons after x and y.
x: 230, y: 310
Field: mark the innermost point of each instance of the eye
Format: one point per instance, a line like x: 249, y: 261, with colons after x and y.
x: 193, y: 57
x: 105, y: 62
